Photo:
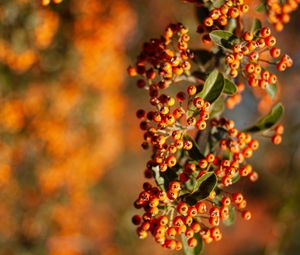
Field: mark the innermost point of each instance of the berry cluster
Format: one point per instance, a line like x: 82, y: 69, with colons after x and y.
x: 165, y: 128
x: 195, y: 153
x: 246, y: 58
x: 161, y: 58
x: 219, y: 17
x: 279, y: 12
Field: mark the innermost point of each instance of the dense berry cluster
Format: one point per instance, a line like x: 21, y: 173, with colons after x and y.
x: 196, y: 154
x: 163, y: 60
x: 246, y: 58
x: 279, y: 12
x: 219, y: 16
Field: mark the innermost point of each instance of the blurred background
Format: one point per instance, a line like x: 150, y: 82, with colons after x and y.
x: 71, y: 164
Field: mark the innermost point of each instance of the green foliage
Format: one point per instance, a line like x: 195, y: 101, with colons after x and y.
x: 230, y: 220
x: 192, y: 251
x: 224, y: 39
x: 268, y: 121
x: 213, y: 87
x: 195, y: 153
x: 229, y: 87
x: 272, y: 90
x: 256, y: 25
x: 205, y: 188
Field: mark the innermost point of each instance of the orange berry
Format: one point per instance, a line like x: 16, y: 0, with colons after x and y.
x: 275, y: 52
x: 208, y: 22
x: 201, y: 207
x: 226, y: 201
x: 192, y: 242
x: 201, y: 124
x: 203, y: 163
x: 171, y: 232
x: 234, y: 12
x: 192, y: 211
x: 198, y: 102
x: 279, y: 129
x: 253, y: 176
x: 196, y: 227
x: 174, y: 186
x: 171, y: 161
x: 248, y: 36
x: 210, y: 158
x: 189, y: 233
x: 276, y: 139
x: 222, y: 20
x: 192, y: 90
x: 182, y: 208
x: 237, y: 198
x: 281, y: 66
x: 270, y: 41
x: 265, y: 32
x: 132, y: 71
x: 246, y: 215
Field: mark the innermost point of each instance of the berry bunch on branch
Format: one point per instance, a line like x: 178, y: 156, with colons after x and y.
x: 196, y: 153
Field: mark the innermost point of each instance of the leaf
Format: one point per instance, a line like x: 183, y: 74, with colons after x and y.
x: 204, y: 190
x: 256, y: 25
x: 192, y: 251
x: 170, y: 175
x: 261, y: 8
x: 235, y: 178
x: 202, y: 56
x: 194, y: 153
x: 223, y: 38
x: 272, y: 90
x: 217, y: 107
x: 202, y: 179
x: 269, y: 120
x: 158, y: 179
x: 213, y: 87
x: 231, y: 26
x: 229, y: 87
x: 217, y: 3
x: 231, y: 218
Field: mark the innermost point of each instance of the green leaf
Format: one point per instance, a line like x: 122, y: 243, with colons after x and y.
x: 192, y: 251
x: 261, y: 8
x: 194, y: 153
x: 231, y: 218
x: 160, y: 181
x: 203, y: 191
x: 202, y: 179
x: 213, y: 87
x: 272, y: 90
x: 235, y: 178
x: 231, y: 26
x: 217, y: 107
x: 170, y: 175
x: 256, y: 25
x: 229, y: 87
x: 269, y: 120
x: 223, y: 38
